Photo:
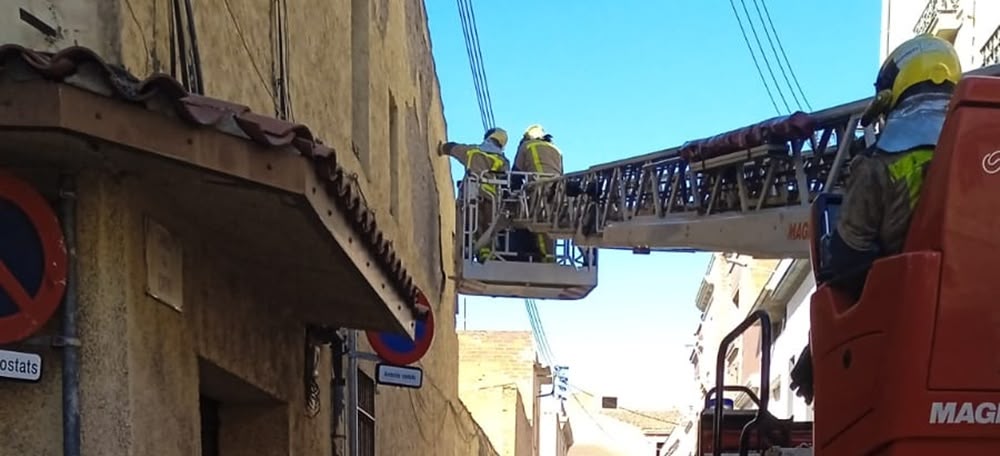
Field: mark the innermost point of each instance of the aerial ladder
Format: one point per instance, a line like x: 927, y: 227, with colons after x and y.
x: 911, y: 368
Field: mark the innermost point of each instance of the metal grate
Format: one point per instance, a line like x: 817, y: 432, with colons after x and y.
x: 366, y: 415
x: 991, y: 50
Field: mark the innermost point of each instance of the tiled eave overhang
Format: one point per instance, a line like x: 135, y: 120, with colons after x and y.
x: 116, y: 121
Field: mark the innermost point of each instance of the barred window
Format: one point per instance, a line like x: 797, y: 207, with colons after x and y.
x: 366, y: 415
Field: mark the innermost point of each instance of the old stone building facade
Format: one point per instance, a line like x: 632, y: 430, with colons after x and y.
x: 274, y: 180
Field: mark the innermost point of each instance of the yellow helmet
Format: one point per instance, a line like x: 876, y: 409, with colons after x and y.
x: 915, y: 63
x: 497, y: 134
x: 534, y: 132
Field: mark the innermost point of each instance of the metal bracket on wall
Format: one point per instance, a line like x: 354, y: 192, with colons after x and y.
x: 52, y: 341
x: 316, y: 337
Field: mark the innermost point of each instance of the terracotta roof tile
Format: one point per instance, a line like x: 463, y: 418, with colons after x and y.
x: 82, y: 67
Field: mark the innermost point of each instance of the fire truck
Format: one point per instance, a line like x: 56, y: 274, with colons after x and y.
x: 911, y: 368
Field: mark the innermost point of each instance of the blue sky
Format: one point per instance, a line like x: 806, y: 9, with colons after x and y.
x: 616, y: 79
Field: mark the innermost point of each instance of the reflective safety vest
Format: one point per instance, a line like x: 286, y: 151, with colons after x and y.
x: 477, y: 161
x: 911, y: 169
x: 539, y: 156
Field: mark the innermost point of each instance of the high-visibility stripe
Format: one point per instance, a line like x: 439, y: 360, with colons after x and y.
x: 536, y: 158
x: 497, y: 165
x: 910, y: 169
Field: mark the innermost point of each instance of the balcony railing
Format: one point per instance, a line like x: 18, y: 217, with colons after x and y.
x: 932, y: 11
x: 991, y: 50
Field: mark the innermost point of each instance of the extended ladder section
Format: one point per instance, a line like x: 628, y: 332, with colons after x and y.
x: 746, y: 190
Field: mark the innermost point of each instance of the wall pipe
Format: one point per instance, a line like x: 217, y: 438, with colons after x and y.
x: 71, y: 347
x: 352, y: 393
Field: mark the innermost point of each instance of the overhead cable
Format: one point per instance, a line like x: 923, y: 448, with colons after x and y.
x: 767, y: 63
x: 767, y: 15
x: 777, y: 58
x: 760, y: 72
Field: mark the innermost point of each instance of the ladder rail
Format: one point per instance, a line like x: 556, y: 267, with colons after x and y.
x: 643, y: 201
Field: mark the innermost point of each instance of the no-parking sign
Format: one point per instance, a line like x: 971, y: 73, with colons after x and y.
x: 398, y: 349
x: 33, y: 260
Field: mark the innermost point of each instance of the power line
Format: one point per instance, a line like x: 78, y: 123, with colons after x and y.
x: 475, y: 55
x: 246, y: 47
x: 541, y: 338
x: 777, y: 58
x: 538, y: 329
x: 760, y: 72
x: 472, y: 62
x: 482, y: 66
x: 767, y: 63
x: 767, y: 14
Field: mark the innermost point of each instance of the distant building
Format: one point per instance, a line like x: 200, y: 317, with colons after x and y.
x: 500, y: 382
x: 602, y: 428
x: 734, y: 287
x: 973, y: 25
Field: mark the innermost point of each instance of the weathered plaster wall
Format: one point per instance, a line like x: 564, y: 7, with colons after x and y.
x: 144, y: 364
x: 362, y: 77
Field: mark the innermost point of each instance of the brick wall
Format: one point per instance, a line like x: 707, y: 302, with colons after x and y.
x: 502, y: 360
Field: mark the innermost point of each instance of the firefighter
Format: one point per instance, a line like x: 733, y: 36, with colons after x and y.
x: 536, y: 154
x: 486, y: 159
x: 913, y: 89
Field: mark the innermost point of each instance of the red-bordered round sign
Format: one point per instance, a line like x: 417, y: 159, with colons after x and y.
x: 398, y: 349
x: 33, y: 311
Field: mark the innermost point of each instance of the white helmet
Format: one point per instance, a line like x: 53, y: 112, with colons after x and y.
x: 534, y: 132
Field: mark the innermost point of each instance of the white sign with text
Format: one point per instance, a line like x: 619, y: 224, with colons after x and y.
x: 407, y: 377
x: 20, y: 366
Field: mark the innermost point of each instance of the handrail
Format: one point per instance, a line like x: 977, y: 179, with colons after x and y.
x: 765, y: 375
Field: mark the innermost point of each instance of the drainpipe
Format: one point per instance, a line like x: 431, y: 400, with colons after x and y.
x: 352, y: 393
x: 71, y: 348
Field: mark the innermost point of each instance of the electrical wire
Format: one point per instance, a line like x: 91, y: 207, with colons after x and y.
x: 777, y: 58
x: 538, y: 330
x: 246, y: 46
x: 475, y: 55
x: 767, y: 14
x: 760, y: 72
x: 472, y: 62
x: 482, y: 66
x: 767, y: 63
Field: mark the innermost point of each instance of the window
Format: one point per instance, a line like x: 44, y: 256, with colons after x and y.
x: 393, y: 156
x: 366, y: 415
x: 209, y: 426
x: 360, y: 81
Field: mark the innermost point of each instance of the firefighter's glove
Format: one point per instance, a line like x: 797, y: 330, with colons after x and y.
x: 443, y: 149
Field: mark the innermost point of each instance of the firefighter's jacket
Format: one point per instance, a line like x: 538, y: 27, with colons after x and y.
x: 538, y: 156
x: 479, y: 158
x: 882, y: 193
x: 886, y: 180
